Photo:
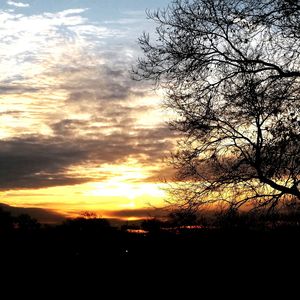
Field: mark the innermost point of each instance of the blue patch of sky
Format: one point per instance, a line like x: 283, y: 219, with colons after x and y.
x: 99, y: 10
x: 127, y: 16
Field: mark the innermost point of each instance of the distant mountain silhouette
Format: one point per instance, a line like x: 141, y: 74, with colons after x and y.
x: 43, y: 216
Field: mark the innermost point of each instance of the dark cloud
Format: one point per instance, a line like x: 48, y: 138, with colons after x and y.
x: 114, y: 117
x: 142, y: 144
x: 163, y: 174
x: 44, y: 216
x: 17, y: 89
x: 81, y: 95
x: 68, y: 127
x: 47, y: 216
x: 136, y: 213
x: 149, y: 144
x: 101, y: 83
x: 36, y: 161
x: 14, y: 113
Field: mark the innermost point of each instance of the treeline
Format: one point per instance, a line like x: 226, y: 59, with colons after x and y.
x: 89, y: 242
x: 177, y: 220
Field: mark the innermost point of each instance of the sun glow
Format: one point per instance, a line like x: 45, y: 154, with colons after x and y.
x: 124, y: 188
x: 126, y: 181
x: 76, y: 133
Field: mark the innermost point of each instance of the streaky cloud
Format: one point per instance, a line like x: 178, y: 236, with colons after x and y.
x: 42, y: 215
x: 17, y: 4
x: 141, y: 213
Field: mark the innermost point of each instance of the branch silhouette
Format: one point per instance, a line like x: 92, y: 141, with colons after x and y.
x: 231, y: 73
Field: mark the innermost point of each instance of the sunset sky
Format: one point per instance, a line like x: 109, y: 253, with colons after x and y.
x: 76, y: 132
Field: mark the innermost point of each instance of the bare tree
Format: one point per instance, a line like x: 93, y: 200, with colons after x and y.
x: 231, y: 73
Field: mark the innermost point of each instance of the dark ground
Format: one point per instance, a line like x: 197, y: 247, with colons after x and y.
x: 90, y: 254
x: 97, y: 248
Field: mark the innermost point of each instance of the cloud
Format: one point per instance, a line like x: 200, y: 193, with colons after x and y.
x: 136, y: 213
x: 17, y: 4
x: 37, y: 161
x: 48, y: 216
x: 12, y: 89
x: 31, y: 44
x: 67, y: 103
x: 100, y: 83
x: 44, y: 216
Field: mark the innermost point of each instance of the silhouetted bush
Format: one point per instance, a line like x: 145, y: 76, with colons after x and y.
x: 6, y: 222
x: 152, y: 225
x: 234, y: 219
x: 25, y: 223
x: 184, y: 218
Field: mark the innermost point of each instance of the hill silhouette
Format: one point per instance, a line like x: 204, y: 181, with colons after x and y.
x: 44, y: 216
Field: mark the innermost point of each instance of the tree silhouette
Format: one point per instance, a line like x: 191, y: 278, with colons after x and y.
x: 183, y: 218
x: 26, y: 223
x: 153, y: 225
x: 6, y: 221
x: 231, y: 73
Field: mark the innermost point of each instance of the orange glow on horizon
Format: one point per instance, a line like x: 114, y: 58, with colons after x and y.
x: 120, y: 192
x: 77, y: 133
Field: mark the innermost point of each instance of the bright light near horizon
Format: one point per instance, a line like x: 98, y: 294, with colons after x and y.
x: 126, y: 182
x: 122, y: 189
x: 99, y: 197
x: 64, y: 82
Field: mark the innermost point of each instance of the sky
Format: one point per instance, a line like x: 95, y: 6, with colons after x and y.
x: 76, y: 132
